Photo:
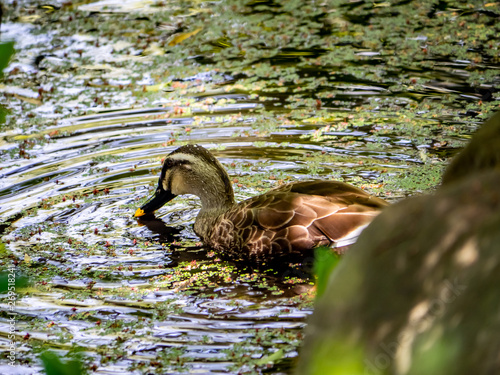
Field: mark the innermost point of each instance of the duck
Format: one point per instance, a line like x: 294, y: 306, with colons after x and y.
x: 288, y: 221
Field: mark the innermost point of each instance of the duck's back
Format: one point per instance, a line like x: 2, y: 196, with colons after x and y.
x: 293, y: 219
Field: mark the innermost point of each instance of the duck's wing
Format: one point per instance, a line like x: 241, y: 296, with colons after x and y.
x: 336, y: 190
x: 295, y: 217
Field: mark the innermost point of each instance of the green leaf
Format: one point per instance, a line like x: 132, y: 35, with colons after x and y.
x: 10, y: 279
x: 338, y: 356
x: 325, y: 260
x: 3, y: 113
x: 278, y: 354
x: 5, y: 283
x: 6, y: 51
x: 54, y: 366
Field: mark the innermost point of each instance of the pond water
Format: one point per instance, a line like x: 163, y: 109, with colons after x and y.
x: 92, y: 119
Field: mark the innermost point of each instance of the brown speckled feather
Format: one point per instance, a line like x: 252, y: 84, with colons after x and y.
x: 294, y: 218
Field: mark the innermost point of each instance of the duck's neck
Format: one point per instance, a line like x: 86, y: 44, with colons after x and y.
x: 213, y: 187
x: 215, y: 200
x: 217, y: 197
x: 209, y: 216
x: 207, y: 220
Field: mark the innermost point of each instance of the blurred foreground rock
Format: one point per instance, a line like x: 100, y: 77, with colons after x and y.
x: 419, y: 293
x: 481, y: 154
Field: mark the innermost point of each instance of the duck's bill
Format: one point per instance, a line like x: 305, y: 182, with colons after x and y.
x: 159, y: 199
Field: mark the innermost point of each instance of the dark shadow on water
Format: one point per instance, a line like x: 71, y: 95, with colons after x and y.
x: 158, y: 226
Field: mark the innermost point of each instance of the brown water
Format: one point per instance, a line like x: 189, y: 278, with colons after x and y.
x: 150, y: 298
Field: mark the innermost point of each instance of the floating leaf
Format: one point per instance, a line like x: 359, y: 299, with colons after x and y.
x: 49, y: 8
x: 156, y: 88
x: 154, y: 49
x: 28, y: 99
x: 179, y: 38
x: 97, y: 67
x: 29, y: 19
x: 278, y: 354
x: 195, y: 11
x: 121, y: 45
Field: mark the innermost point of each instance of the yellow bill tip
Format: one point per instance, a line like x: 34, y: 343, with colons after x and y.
x: 140, y: 212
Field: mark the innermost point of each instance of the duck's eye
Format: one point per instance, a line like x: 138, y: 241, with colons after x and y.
x: 168, y: 162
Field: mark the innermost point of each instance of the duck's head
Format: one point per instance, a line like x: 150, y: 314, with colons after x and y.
x: 191, y: 169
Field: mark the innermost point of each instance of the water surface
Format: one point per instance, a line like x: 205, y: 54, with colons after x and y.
x: 83, y: 149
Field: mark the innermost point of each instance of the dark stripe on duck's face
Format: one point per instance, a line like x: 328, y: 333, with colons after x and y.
x: 168, y: 185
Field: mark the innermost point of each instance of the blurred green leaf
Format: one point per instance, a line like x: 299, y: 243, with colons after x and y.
x: 20, y: 281
x: 435, y: 353
x: 6, y: 276
x: 6, y: 51
x: 3, y: 113
x: 325, y: 260
x: 339, y: 356
x: 54, y: 366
